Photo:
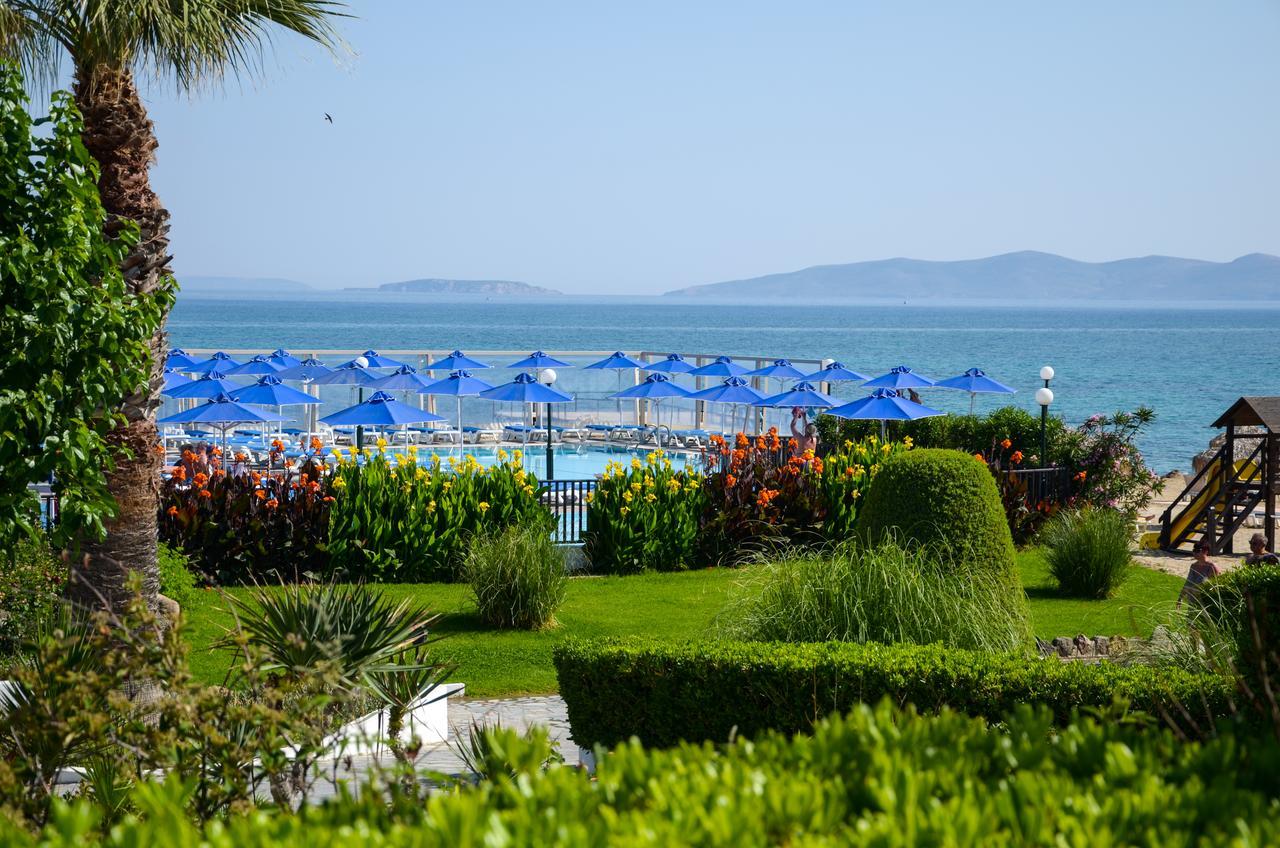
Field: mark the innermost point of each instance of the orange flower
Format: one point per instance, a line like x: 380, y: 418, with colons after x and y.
x: 766, y: 497
x: 817, y: 465
x: 316, y: 444
x: 277, y: 445
x: 173, y: 510
x: 159, y: 449
x: 1081, y: 476
x: 730, y: 481
x: 979, y: 457
x: 273, y: 503
x: 1016, y: 457
x: 313, y: 486
x: 218, y: 472
x: 205, y: 493
x: 328, y: 498
x: 262, y: 494
x: 848, y: 472
x: 1006, y: 444
x: 759, y: 442
x: 179, y: 473
x: 217, y: 451
x: 200, y: 479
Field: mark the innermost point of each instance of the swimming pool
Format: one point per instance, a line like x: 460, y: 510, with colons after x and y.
x: 572, y: 462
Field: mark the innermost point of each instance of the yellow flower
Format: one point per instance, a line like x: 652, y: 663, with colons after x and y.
x: 448, y: 484
x: 872, y: 439
x: 875, y: 468
x: 673, y: 484
x: 517, y: 457
x: 339, y: 483
x: 527, y: 489
x: 857, y: 493
x: 624, y: 510
x: 382, y: 444
x: 636, y: 464
x: 591, y: 496
x: 431, y: 506
x: 848, y: 443
x: 650, y: 498
x: 635, y: 487
x: 484, y: 506
x: 885, y: 448
x: 907, y: 440
x: 666, y: 465
x: 627, y: 496
x: 502, y: 455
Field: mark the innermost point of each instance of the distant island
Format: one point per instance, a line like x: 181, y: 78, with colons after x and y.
x: 1026, y: 275
x: 432, y: 285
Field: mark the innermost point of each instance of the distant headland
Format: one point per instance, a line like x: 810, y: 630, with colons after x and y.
x: 1026, y: 275
x: 436, y: 285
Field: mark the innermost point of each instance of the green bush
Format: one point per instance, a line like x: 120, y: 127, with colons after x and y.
x: 1243, y: 606
x: 965, y: 433
x: 665, y: 694
x: 31, y: 582
x: 877, y: 777
x: 645, y: 517
x: 517, y: 578
x: 1088, y: 551
x: 946, y: 502
x: 176, y: 580
x: 884, y: 594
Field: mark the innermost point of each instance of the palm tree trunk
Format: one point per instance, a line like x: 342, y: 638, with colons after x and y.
x: 120, y: 136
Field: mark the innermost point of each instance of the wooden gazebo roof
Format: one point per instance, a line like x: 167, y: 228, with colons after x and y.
x: 1253, y: 411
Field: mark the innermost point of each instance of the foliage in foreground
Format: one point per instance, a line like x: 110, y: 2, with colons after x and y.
x: 517, y: 577
x: 1242, y: 609
x: 31, y: 581
x: 947, y: 503
x: 886, y: 594
x: 644, y: 517
x: 76, y: 339
x: 665, y: 694
x: 1088, y: 551
x: 875, y: 777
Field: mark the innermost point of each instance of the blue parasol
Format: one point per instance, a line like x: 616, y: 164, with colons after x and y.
x: 257, y: 365
x: 673, y: 364
x: 373, y: 359
x: 205, y: 386
x: 835, y: 372
x: 457, y: 361
x: 178, y: 359
x: 616, y: 361
x: 404, y: 379
x: 975, y: 381
x: 380, y: 410
x: 538, y: 360
x: 460, y: 384
x: 218, y: 362
x: 900, y: 377
x: 779, y: 369
x: 884, y: 405
x: 722, y: 367
x: 802, y: 394
x: 269, y: 391
x: 733, y: 390
x: 283, y: 358
x: 173, y: 378
x: 306, y: 371
x: 525, y: 388
x: 221, y: 412
x: 655, y: 387
x: 347, y: 374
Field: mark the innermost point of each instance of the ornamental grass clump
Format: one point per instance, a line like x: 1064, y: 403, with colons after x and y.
x: 644, y: 517
x: 517, y: 577
x: 1088, y: 551
x: 887, y: 594
x: 394, y: 520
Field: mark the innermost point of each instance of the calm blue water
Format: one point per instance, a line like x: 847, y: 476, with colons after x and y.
x: 1188, y: 364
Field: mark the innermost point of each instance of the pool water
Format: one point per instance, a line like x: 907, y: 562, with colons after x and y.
x: 572, y: 462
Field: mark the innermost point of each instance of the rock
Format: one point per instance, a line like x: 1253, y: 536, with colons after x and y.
x: 167, y: 607
x: 1081, y: 644
x: 1101, y: 646
x: 1063, y: 646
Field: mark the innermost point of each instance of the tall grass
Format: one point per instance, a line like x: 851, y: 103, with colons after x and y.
x: 1088, y: 551
x: 884, y: 594
x: 517, y: 577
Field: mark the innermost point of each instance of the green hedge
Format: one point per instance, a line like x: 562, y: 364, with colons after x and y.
x: 877, y: 777
x: 1239, y: 601
x: 946, y: 501
x: 665, y: 694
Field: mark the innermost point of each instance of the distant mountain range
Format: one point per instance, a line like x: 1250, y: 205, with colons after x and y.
x: 433, y: 285
x: 1027, y: 275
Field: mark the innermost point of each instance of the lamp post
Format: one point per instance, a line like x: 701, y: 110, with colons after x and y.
x: 547, y: 376
x: 1044, y: 397
x: 360, y: 362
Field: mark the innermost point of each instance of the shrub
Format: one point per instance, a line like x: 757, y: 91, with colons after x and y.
x: 883, y: 594
x: 1243, y: 607
x: 396, y: 521
x: 176, y: 580
x: 238, y: 528
x: 644, y: 517
x: 846, y: 474
x: 665, y: 694
x: 517, y: 577
x: 965, y: 433
x: 31, y: 582
x: 947, y: 503
x: 1110, y: 470
x: 1088, y: 551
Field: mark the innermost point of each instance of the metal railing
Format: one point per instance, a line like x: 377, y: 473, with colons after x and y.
x: 1044, y: 485
x: 567, y: 500
x: 49, y: 505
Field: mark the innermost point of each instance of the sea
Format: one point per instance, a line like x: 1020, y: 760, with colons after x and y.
x: 1188, y: 364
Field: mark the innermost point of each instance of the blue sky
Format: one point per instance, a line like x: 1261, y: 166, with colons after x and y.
x: 602, y: 147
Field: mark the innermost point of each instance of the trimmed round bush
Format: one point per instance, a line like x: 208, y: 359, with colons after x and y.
x: 944, y: 501
x: 884, y: 594
x: 517, y: 577
x: 1088, y: 551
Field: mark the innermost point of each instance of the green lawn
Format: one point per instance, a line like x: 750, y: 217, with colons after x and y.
x: 677, y: 607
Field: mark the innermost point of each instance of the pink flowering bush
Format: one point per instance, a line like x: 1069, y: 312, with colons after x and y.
x: 1110, y: 470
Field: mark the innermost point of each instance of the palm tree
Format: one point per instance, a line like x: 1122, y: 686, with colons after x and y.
x: 109, y: 43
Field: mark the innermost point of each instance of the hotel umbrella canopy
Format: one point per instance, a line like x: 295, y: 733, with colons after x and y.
x: 307, y: 371
x: 526, y: 388
x: 221, y: 412
x: 722, y: 367
x: 173, y: 378
x: 975, y: 381
x: 269, y: 391
x: 178, y: 359
x: 673, y: 364
x: 733, y: 390
x: 616, y: 362
x: 205, y: 386
x: 835, y: 372
x: 900, y: 377
x: 257, y: 365
x: 218, y: 362
x: 655, y: 387
x: 404, y: 379
x: 460, y: 384
x: 283, y: 358
x: 779, y: 369
x: 457, y: 361
x: 348, y: 374
x: 538, y: 360
x: 884, y: 405
x: 373, y: 359
x: 802, y: 394
x: 380, y: 410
